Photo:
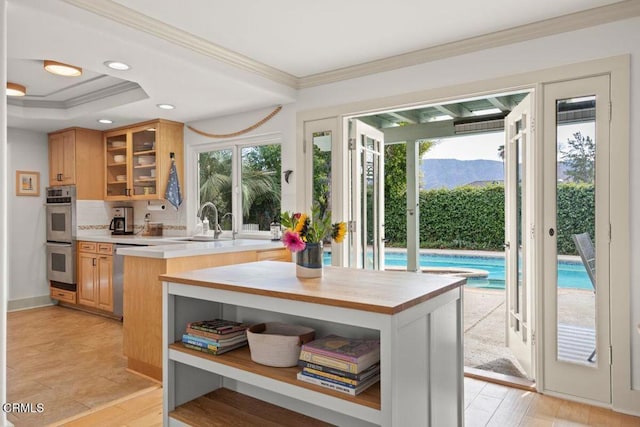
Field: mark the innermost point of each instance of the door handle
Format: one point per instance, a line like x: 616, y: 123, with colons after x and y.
x: 552, y: 232
x: 93, y: 261
x: 506, y: 245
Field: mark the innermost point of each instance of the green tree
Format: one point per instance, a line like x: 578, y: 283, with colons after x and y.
x: 580, y: 157
x: 395, y: 167
x: 260, y: 184
x: 322, y: 180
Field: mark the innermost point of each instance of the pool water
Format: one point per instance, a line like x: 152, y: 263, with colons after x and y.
x: 570, y: 274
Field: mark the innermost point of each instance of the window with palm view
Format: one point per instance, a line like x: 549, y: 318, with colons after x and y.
x: 254, y: 171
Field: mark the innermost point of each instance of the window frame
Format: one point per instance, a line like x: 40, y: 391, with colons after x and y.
x: 235, y: 145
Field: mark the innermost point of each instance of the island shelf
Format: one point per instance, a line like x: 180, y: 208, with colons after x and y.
x: 417, y: 319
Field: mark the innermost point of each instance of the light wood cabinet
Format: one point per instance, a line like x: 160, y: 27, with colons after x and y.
x: 142, y: 343
x: 95, y: 275
x: 74, y: 156
x: 138, y: 159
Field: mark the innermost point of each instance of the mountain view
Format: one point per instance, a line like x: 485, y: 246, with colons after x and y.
x: 450, y: 173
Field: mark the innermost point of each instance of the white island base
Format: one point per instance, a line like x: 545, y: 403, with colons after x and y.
x: 417, y: 317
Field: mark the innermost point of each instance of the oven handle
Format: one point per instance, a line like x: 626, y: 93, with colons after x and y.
x: 59, y: 245
x: 57, y: 204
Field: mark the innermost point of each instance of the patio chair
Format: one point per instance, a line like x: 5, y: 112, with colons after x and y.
x: 588, y: 255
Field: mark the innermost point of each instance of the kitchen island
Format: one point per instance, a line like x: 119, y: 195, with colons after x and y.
x: 142, y: 290
x: 416, y: 317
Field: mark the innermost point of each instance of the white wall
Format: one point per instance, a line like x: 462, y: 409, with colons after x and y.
x: 26, y: 216
x: 282, y: 125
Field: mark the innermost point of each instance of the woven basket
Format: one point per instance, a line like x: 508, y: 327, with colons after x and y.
x: 277, y: 344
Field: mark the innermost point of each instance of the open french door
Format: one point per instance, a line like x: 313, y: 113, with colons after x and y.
x: 366, y: 227
x: 577, y: 321
x: 519, y: 245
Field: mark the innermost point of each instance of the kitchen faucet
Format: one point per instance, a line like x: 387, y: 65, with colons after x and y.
x: 233, y: 225
x: 216, y: 226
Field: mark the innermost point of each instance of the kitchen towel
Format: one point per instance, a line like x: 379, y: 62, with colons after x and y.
x: 172, y: 194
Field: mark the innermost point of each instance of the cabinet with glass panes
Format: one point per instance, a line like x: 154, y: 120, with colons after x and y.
x: 138, y: 159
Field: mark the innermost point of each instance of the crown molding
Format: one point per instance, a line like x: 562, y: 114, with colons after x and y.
x: 575, y: 21
x: 571, y: 22
x: 117, y: 89
x: 149, y: 25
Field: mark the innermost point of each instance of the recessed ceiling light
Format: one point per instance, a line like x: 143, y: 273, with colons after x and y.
x: 105, y: 121
x: 62, y: 69
x: 117, y: 65
x: 14, y: 89
x: 165, y: 106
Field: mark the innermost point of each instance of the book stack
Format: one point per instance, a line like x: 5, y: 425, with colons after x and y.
x: 215, y: 336
x: 347, y: 365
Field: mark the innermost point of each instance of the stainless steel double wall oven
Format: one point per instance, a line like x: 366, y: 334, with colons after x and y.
x: 61, y: 230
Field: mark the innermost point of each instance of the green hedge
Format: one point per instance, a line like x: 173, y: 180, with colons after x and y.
x: 473, y: 218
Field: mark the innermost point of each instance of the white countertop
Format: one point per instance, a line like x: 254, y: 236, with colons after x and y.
x: 129, y: 239
x: 178, y: 249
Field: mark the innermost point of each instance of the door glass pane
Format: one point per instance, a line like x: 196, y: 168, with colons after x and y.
x: 520, y: 291
x: 322, y: 171
x: 144, y: 162
x: 58, y: 221
x: 322, y: 174
x: 575, y: 223
x: 370, y: 208
x: 215, y: 182
x: 260, y: 186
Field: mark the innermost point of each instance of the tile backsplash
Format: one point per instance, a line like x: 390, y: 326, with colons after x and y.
x: 95, y: 216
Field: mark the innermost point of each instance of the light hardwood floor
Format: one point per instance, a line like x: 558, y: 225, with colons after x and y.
x: 80, y: 354
x: 68, y: 360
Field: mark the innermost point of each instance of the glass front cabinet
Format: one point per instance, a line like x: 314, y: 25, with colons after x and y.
x: 138, y: 159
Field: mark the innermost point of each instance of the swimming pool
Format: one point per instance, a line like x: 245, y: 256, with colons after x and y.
x: 570, y: 274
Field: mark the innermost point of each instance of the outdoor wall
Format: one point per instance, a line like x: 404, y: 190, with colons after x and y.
x: 28, y: 284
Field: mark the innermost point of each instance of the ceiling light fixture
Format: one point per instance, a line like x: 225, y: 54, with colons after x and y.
x: 14, y: 89
x: 62, y: 69
x: 105, y: 121
x: 117, y: 65
x: 165, y: 106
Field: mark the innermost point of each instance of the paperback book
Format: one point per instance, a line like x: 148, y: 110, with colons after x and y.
x: 207, y: 343
x: 355, y: 350
x: 346, y: 380
x: 214, y: 350
x: 218, y: 326
x: 217, y: 338
x: 363, y: 375
x: 213, y: 335
x: 333, y: 385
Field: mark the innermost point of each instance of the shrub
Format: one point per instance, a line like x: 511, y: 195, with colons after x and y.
x: 473, y: 217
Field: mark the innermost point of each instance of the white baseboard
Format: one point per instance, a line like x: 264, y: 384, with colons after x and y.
x: 27, y: 303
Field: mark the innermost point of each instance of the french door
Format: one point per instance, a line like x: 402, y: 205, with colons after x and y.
x: 576, y: 322
x: 366, y: 225
x: 519, y: 244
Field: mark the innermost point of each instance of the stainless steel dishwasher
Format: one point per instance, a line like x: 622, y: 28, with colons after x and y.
x: 118, y: 278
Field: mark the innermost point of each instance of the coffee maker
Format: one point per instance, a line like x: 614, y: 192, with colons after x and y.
x: 122, y: 222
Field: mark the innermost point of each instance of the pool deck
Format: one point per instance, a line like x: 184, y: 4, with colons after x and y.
x: 484, y: 323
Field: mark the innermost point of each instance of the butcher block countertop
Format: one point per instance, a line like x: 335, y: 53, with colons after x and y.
x: 387, y: 292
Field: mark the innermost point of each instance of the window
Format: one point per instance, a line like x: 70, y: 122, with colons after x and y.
x: 243, y: 180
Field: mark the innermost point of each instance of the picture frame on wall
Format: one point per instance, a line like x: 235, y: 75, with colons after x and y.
x: 27, y: 183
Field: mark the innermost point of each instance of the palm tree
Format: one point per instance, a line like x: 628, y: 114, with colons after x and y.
x: 260, y: 188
